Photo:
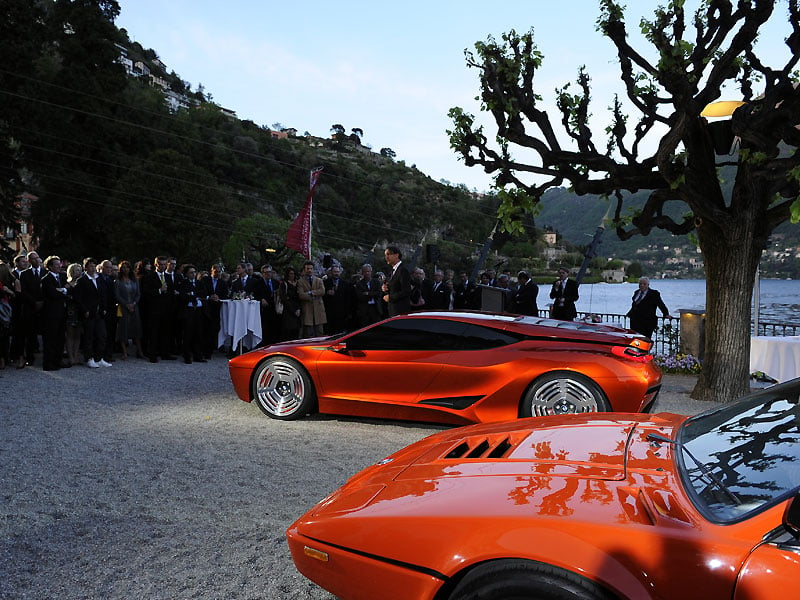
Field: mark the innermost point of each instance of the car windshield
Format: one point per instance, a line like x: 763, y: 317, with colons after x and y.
x: 743, y: 457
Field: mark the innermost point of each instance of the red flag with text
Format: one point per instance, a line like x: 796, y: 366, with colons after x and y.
x: 299, y: 235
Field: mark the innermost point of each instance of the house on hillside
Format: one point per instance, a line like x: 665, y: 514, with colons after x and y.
x: 20, y: 237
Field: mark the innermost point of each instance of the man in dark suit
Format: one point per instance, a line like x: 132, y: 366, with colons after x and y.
x: 644, y: 303
x: 264, y: 289
x: 32, y: 302
x: 244, y: 283
x: 397, y: 289
x: 54, y: 314
x: 368, y: 297
x: 214, y: 290
x: 91, y: 297
x: 440, y: 294
x: 339, y: 300
x: 190, y: 306
x: 158, y: 290
x: 421, y: 290
x: 524, y: 299
x: 565, y: 294
x: 465, y: 293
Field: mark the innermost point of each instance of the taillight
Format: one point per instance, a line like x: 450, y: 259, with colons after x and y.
x: 631, y: 353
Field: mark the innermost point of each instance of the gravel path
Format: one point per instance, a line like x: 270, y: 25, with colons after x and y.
x: 155, y: 481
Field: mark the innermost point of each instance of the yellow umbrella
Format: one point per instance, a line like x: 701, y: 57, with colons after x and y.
x: 723, y: 108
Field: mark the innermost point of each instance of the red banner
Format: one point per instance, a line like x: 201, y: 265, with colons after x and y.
x: 299, y: 235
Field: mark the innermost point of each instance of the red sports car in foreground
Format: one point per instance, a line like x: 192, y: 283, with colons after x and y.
x: 573, y: 507
x: 455, y: 368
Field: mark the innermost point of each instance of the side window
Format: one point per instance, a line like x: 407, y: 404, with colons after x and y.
x: 410, y: 334
x: 476, y: 337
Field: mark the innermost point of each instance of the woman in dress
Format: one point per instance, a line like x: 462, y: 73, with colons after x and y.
x: 290, y: 318
x: 74, y: 327
x: 9, y: 287
x: 129, y: 324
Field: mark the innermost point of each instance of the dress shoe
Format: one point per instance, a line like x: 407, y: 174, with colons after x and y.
x: 65, y: 365
x: 188, y: 361
x: 153, y: 359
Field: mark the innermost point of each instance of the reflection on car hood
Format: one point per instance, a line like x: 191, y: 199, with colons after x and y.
x: 588, y: 447
x: 591, y: 470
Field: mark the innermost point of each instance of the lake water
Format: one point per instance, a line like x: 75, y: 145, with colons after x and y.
x: 779, y: 299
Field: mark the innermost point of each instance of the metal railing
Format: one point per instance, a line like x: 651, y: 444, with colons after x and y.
x: 667, y: 336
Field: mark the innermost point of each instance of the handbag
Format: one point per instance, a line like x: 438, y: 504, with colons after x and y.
x: 278, y: 304
x: 119, y: 310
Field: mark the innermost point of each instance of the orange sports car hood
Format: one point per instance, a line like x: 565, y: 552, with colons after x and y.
x: 581, y: 471
x: 581, y: 447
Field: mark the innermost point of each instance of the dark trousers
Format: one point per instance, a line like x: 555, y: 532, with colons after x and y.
x: 24, y: 339
x: 211, y: 329
x: 111, y: 333
x: 159, y: 333
x: 192, y: 333
x: 94, y: 338
x: 53, y: 334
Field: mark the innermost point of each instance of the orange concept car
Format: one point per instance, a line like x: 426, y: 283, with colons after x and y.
x: 573, y: 507
x: 456, y: 368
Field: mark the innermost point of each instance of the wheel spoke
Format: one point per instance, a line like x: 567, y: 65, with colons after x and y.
x: 280, y: 389
x: 562, y: 396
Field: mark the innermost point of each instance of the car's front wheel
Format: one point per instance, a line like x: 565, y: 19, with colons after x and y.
x: 525, y: 580
x: 283, y: 389
x: 561, y: 393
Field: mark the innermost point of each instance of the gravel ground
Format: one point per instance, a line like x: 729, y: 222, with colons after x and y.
x: 156, y: 481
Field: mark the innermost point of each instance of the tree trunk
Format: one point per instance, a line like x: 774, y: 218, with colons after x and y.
x: 731, y: 252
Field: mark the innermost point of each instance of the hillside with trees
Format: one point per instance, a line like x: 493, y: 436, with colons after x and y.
x: 119, y: 173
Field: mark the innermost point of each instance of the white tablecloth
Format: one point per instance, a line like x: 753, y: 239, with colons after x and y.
x: 240, y: 321
x: 778, y: 356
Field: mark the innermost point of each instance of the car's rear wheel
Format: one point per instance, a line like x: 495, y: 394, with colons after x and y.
x: 283, y: 389
x: 561, y: 393
x: 525, y: 580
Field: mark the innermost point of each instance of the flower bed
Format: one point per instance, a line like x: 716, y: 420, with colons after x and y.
x: 682, y: 364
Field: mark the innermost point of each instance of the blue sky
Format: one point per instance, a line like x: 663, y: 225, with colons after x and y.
x: 392, y: 69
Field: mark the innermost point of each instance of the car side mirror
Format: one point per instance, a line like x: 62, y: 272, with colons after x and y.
x: 340, y: 347
x: 791, y: 517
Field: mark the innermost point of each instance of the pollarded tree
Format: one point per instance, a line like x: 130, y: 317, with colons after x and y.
x: 696, y: 61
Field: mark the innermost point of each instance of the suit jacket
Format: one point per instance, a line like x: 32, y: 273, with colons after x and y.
x: 312, y: 307
x: 440, y: 296
x: 565, y: 298
x: 55, y: 302
x: 643, y: 313
x: 222, y: 288
x: 524, y: 299
x: 248, y: 287
x: 91, y: 298
x: 31, y: 289
x: 191, y: 294
x: 157, y: 300
x: 399, y: 291
x: 465, y: 295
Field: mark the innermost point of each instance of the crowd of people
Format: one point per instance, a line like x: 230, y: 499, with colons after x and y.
x: 93, y: 312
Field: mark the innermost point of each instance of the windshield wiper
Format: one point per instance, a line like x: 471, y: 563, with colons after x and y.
x: 703, y: 469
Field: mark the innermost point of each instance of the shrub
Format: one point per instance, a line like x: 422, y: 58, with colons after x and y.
x: 683, y: 364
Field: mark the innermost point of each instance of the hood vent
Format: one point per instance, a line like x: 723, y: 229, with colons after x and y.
x: 480, y: 448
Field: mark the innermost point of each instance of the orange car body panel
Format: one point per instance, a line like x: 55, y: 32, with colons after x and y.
x: 584, y: 493
x: 405, y: 384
